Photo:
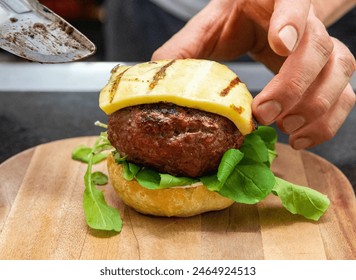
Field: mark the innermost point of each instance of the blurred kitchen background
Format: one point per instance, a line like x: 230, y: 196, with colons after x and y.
x: 101, y: 21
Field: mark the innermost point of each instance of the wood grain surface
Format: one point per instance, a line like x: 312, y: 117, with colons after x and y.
x: 41, y: 216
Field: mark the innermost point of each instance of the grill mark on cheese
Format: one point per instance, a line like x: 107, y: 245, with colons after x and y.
x: 160, y: 74
x: 115, y: 69
x: 115, y: 85
x: 238, y: 109
x: 232, y: 84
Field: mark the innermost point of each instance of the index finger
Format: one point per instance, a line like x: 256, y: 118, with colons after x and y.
x: 198, y: 37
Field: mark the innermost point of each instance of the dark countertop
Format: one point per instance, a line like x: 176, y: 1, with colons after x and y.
x: 42, y: 103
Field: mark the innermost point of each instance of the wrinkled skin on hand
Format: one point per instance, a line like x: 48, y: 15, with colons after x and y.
x: 310, y: 96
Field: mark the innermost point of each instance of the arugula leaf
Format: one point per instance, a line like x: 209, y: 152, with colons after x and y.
x: 228, y: 163
x: 168, y: 180
x: 130, y: 170
x: 248, y: 183
x: 272, y: 155
x: 81, y: 153
x: 244, y: 176
x: 118, y: 158
x: 269, y: 136
x: 260, y: 145
x: 254, y: 148
x: 148, y: 178
x: 153, y: 180
x: 98, y: 214
x: 99, y: 178
x: 211, y: 182
x: 301, y: 200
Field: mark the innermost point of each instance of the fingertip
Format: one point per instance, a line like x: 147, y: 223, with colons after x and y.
x: 301, y: 143
x: 158, y: 54
x: 287, y: 25
x: 284, y: 41
x: 289, y: 37
x: 178, y: 47
x: 166, y: 52
x: 267, y: 112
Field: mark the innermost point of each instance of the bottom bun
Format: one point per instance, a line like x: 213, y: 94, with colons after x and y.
x: 171, y: 202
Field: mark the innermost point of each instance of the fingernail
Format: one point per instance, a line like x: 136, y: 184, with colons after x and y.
x: 269, y: 111
x: 302, y: 143
x: 293, y: 122
x: 289, y: 37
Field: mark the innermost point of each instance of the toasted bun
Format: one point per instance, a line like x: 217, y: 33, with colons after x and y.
x: 178, y: 201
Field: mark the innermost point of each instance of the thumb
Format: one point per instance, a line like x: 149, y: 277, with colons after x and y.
x: 287, y: 25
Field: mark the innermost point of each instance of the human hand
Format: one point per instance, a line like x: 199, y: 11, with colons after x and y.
x: 310, y: 96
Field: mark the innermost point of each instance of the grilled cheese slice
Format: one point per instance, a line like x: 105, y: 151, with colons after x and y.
x: 194, y: 83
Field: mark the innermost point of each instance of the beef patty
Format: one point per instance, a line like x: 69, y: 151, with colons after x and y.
x: 173, y: 139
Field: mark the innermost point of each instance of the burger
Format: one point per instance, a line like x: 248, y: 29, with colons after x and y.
x: 174, y: 119
x: 184, y: 142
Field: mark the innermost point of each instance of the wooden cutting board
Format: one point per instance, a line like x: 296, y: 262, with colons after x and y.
x: 41, y: 216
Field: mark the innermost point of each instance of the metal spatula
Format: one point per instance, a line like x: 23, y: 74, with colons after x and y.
x: 30, y: 30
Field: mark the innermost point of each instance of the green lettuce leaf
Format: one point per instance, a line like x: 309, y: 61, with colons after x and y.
x: 98, y: 214
x: 99, y: 178
x: 153, y: 180
x: 148, y: 178
x: 301, y: 200
x: 168, y: 180
x: 254, y: 148
x: 130, y: 170
x: 228, y: 163
x: 248, y: 183
x: 260, y: 145
x: 272, y: 154
x: 242, y: 180
x: 268, y: 135
x: 81, y: 153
